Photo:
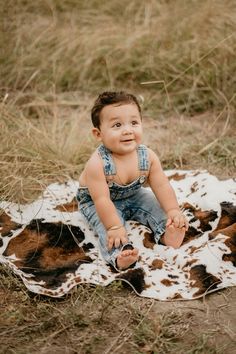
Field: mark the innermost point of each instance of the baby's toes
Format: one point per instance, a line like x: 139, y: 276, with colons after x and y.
x: 125, y: 253
x: 134, y: 251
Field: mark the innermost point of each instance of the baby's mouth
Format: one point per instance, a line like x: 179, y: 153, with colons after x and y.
x: 127, y: 140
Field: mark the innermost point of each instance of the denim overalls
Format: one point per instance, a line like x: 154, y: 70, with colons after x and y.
x: 132, y: 202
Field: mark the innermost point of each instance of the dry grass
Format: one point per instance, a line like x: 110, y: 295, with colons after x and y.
x: 55, y: 57
x: 97, y: 320
x: 52, y: 143
x: 37, y: 151
x: 73, y: 45
x: 205, y: 141
x: 59, y: 54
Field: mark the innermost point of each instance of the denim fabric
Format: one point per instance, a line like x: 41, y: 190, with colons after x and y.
x: 108, y: 163
x: 132, y: 201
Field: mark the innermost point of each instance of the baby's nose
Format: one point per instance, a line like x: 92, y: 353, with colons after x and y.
x: 127, y: 129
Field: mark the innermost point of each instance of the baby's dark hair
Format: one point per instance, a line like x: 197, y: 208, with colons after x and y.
x: 108, y: 97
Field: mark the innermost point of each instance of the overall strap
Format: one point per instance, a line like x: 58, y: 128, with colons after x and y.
x: 143, y: 160
x: 108, y: 163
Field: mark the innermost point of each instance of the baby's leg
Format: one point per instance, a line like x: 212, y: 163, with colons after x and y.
x: 173, y: 236
x: 120, y: 258
x: 145, y: 209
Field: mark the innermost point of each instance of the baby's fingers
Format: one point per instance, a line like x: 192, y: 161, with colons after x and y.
x: 110, y: 243
x: 176, y: 222
x: 117, y: 242
x: 124, y: 240
x: 186, y: 224
x: 168, y: 222
x: 183, y: 222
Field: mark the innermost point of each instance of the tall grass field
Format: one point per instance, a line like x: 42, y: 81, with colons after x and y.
x: 56, y: 56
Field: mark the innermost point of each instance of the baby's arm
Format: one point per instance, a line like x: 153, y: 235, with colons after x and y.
x: 99, y: 191
x: 164, y: 192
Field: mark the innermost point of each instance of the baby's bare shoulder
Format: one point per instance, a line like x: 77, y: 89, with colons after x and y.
x: 94, y: 164
x: 93, y: 171
x: 152, y: 156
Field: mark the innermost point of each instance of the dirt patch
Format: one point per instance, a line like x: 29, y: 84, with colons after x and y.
x: 213, y: 318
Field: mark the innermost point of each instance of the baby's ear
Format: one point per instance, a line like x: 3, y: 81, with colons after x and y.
x: 96, y: 133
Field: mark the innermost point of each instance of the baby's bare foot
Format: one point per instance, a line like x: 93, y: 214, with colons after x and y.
x: 174, y: 236
x: 126, y: 258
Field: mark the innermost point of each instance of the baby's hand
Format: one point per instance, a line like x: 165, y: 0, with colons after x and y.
x: 176, y: 218
x: 116, y: 238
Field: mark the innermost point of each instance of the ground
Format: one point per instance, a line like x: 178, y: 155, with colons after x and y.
x: 57, y: 56
x: 113, y: 319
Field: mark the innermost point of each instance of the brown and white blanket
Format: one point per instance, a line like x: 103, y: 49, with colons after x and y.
x: 48, y: 244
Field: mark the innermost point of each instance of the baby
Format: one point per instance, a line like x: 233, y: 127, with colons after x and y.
x: 112, y: 183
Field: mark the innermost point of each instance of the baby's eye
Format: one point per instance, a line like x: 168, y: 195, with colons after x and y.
x: 116, y: 125
x: 134, y: 122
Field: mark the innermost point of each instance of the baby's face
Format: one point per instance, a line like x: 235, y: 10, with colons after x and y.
x: 121, y: 127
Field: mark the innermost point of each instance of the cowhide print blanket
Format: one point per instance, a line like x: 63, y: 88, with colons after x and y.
x: 51, y: 248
